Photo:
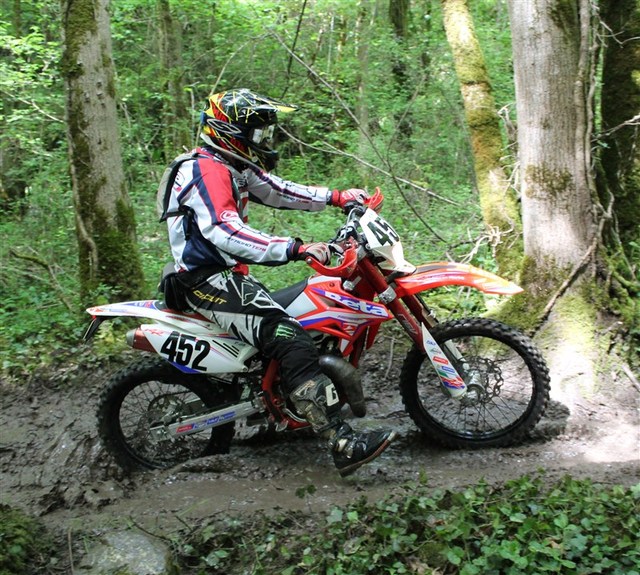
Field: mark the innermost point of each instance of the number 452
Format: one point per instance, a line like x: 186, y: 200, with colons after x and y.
x: 180, y: 348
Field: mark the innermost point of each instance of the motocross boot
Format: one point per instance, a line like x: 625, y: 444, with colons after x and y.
x: 317, y: 400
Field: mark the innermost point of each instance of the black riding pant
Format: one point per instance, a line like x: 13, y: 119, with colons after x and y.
x: 243, y: 307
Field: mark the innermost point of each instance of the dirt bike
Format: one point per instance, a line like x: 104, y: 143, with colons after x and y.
x: 466, y: 383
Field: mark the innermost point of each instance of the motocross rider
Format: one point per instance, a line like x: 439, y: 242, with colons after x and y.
x: 204, y: 198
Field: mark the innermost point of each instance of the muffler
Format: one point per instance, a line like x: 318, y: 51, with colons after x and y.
x: 346, y: 377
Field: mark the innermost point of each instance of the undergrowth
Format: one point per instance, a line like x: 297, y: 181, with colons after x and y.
x: 525, y: 526
x: 24, y: 543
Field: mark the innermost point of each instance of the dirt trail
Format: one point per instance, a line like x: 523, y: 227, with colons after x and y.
x: 52, y: 464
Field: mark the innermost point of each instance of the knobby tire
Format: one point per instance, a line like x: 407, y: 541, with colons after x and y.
x: 513, y: 373
x: 158, y: 389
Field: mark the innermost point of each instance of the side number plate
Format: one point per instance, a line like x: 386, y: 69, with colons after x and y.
x: 186, y: 350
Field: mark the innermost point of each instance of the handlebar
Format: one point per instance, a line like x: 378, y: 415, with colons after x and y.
x: 346, y: 239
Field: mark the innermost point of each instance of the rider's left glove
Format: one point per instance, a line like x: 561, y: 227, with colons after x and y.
x: 351, y: 196
x: 317, y: 250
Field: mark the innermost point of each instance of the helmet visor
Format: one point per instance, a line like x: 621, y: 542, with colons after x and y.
x: 262, y: 136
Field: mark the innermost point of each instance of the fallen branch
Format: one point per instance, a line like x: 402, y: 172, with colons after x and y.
x: 632, y: 378
x: 576, y: 269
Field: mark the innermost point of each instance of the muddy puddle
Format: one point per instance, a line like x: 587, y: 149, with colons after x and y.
x: 52, y: 464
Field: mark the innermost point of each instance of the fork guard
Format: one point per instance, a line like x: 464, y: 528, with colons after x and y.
x: 437, y: 274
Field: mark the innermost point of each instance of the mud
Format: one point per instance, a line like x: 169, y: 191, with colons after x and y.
x: 52, y: 464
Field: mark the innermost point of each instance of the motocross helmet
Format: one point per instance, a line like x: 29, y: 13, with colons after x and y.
x: 243, y: 123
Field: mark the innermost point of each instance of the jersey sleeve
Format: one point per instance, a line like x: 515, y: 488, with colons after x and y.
x: 270, y: 190
x: 215, y: 203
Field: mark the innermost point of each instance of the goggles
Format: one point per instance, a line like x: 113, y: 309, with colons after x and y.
x: 262, y: 135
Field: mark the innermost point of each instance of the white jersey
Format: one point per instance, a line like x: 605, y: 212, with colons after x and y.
x: 212, y: 229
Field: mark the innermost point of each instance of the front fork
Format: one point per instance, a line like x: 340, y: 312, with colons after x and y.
x: 406, y: 311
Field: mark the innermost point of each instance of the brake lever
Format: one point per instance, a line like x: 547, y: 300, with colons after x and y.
x: 346, y: 232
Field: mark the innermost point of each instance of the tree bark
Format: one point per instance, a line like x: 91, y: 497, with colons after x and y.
x: 553, y: 64
x: 105, y: 225
x: 176, y: 115
x: 366, y: 15
x: 16, y: 20
x: 557, y: 210
x: 399, y: 12
x: 621, y: 117
x: 497, y: 200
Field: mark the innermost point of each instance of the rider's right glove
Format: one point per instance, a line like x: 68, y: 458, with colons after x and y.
x: 317, y: 250
x: 351, y: 196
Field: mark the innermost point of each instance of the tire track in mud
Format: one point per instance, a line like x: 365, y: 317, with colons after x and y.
x: 52, y: 464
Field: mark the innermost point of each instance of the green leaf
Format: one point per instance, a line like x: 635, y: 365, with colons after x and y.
x: 335, y: 516
x: 455, y: 555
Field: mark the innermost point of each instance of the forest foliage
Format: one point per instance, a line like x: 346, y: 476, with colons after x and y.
x: 379, y: 105
x: 375, y: 109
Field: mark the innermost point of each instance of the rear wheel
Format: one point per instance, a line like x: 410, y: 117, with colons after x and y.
x: 139, y: 403
x: 507, y: 385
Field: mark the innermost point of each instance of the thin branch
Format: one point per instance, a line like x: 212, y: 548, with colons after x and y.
x: 231, y: 57
x: 293, y: 46
x: 635, y: 121
x: 52, y: 276
x: 151, y: 533
x: 357, y: 123
x: 70, y: 548
x: 33, y: 105
x: 333, y: 150
x: 390, y: 360
x: 632, y: 378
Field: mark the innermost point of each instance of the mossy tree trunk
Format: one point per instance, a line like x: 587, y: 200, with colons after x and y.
x: 497, y: 200
x: 399, y: 13
x: 553, y: 59
x: 176, y: 120
x: 105, y: 225
x: 367, y: 12
x: 619, y: 178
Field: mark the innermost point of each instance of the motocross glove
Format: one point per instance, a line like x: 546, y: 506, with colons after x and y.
x: 317, y: 250
x: 352, y: 195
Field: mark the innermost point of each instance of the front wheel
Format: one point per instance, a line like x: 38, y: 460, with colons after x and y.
x: 143, y: 399
x: 507, y: 385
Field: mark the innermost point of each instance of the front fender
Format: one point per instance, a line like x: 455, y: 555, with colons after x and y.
x: 438, y: 274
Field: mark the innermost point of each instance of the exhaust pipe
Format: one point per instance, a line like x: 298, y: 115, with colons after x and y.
x: 347, y: 379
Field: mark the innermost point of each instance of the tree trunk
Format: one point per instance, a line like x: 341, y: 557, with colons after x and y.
x: 366, y: 15
x: 399, y: 11
x: 621, y: 116
x: 557, y: 211
x: 497, y: 201
x: 552, y: 58
x: 16, y: 20
x: 177, y: 122
x: 105, y: 224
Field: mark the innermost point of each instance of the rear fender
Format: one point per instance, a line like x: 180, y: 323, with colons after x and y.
x: 188, y: 341
x: 155, y: 310
x: 438, y: 274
